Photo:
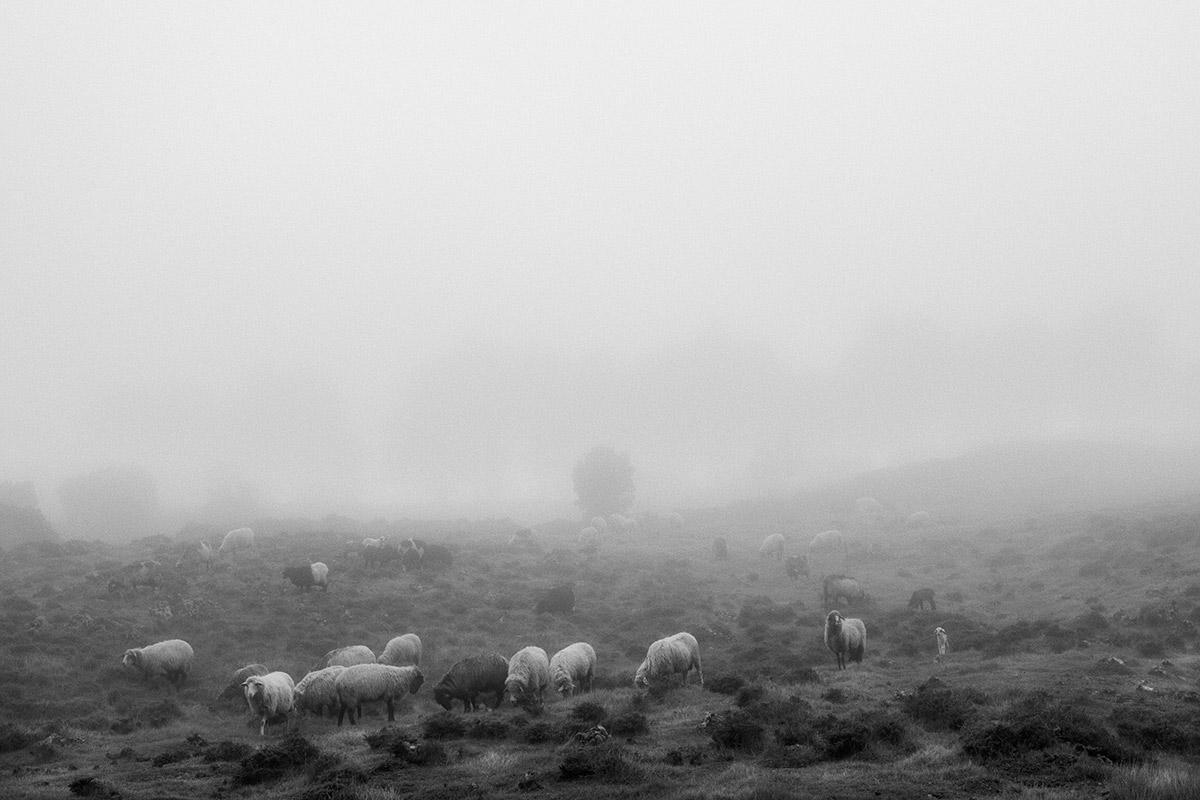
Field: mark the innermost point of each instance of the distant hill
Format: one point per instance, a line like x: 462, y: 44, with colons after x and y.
x: 1024, y: 478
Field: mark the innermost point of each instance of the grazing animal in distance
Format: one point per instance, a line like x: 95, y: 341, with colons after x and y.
x: 918, y: 519
x: 237, y: 539
x: 796, y: 566
x: 303, y: 577
x: 920, y: 598
x: 522, y: 537
x: 573, y: 668
x: 845, y: 637
x: 557, y: 600
x: 206, y: 555
x: 471, y: 677
x: 349, y: 656
x: 170, y: 659
x: 528, y: 678
x: 720, y: 548
x: 772, y: 547
x: 402, y: 651
x: 673, y: 655
x: 943, y: 641
x: 836, y: 587
x: 270, y: 697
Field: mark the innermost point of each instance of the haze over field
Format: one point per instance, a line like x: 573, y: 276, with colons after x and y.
x: 423, y: 257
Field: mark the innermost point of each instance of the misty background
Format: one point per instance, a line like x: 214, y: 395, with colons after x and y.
x: 418, y: 258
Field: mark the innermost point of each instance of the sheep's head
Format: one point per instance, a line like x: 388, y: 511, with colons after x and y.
x: 252, y: 687
x: 641, y: 678
x: 418, y: 679
x: 833, y: 621
x: 132, y: 658
x: 441, y: 696
x: 564, y: 684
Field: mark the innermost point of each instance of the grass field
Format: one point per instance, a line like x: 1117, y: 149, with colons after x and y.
x: 1029, y: 703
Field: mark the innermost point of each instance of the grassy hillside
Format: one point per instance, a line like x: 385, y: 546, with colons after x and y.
x: 1028, y: 702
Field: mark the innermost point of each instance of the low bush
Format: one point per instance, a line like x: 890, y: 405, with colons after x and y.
x: 629, y: 723
x: 488, y: 728
x: 1037, y: 722
x: 293, y: 754
x: 737, y: 729
x: 605, y: 761
x: 443, y: 725
x: 15, y: 737
x: 725, y: 684
x: 940, y: 707
x: 587, y: 711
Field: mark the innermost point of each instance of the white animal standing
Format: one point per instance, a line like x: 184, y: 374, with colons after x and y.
x: 237, y: 539
x: 270, y: 697
x: 573, y: 668
x: 402, y: 651
x: 772, y: 547
x: 528, y: 677
x: 350, y: 656
x: 170, y: 659
x: 316, y: 692
x: 943, y: 641
x: 673, y: 655
x: 371, y: 683
x: 845, y: 637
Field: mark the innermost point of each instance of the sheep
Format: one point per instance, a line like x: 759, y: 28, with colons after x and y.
x: 796, y: 566
x: 316, y: 691
x: 588, y: 538
x: 918, y: 519
x: 350, y: 656
x: 841, y: 586
x: 206, y: 556
x: 171, y: 659
x: 302, y: 577
x: 557, y: 600
x: 943, y: 641
x: 528, y: 678
x: 599, y: 523
x: 372, y: 550
x: 670, y: 656
x: 845, y: 637
x: 270, y: 697
x: 772, y: 547
x: 868, y: 506
x: 920, y: 597
x: 470, y: 678
x: 370, y: 683
x: 522, y: 537
x: 234, y: 689
x: 412, y: 554
x: 720, y: 548
x: 402, y: 651
x: 573, y: 667
x: 236, y: 539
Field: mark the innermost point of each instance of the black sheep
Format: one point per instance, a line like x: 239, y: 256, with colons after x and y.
x: 470, y: 678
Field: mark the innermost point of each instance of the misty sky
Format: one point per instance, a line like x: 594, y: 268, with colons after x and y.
x: 426, y: 255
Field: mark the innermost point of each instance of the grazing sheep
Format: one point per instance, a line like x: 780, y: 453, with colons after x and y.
x: 918, y: 519
x: 943, y: 641
x: 599, y: 523
x: 528, y: 678
x: 471, y: 677
x: 234, y: 690
x: 588, y: 538
x: 402, y: 651
x: 841, y: 586
x: 772, y: 547
x: 372, y: 550
x: 557, y: 600
x: 796, y: 567
x: 522, y: 537
x: 720, y: 548
x: 573, y: 667
x: 349, y: 656
x: 171, y: 659
x: 316, y: 692
x: 237, y: 539
x: 920, y: 597
x: 370, y: 683
x: 270, y: 697
x: 315, y: 574
x: 868, y: 505
x: 845, y: 638
x: 678, y: 654
x: 831, y: 541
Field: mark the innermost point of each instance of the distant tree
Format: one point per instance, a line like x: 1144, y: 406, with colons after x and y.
x: 116, y: 502
x: 604, y: 482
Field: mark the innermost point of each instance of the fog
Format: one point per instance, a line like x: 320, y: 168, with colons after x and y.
x: 392, y: 258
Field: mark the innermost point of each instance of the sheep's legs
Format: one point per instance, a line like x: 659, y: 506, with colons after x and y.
x: 391, y: 710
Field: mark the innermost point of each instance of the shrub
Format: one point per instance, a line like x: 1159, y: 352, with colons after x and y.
x: 748, y: 695
x: 540, y: 732
x: 737, y: 729
x: 1154, y: 729
x: 1039, y: 721
x: 725, y: 684
x: 835, y: 695
x: 227, y: 751
x: 605, y: 761
x: 630, y: 723
x: 443, y: 725
x: 587, y: 711
x: 940, y: 707
x: 293, y: 754
x: 15, y: 737
x: 488, y: 728
x: 92, y: 787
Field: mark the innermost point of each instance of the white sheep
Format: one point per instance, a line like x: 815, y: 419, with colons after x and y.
x: 673, y: 655
x: 772, y: 546
x: 320, y: 574
x: 316, y: 691
x: 350, y: 656
x: 270, y: 697
x: 573, y: 667
x: 528, y: 677
x: 370, y: 683
x: 402, y: 651
x: 599, y: 523
x: 943, y: 641
x: 918, y: 519
x: 206, y: 555
x: 171, y: 659
x: 589, y: 537
x: 845, y: 638
x: 237, y: 539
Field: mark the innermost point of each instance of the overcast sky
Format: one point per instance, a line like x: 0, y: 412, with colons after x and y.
x: 427, y: 254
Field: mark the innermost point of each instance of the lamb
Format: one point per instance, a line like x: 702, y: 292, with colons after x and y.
x: 471, y: 677
x: 836, y: 587
x: 236, y: 539
x: 270, y: 697
x: 171, y: 659
x: 302, y: 577
x: 528, y: 678
x: 845, y: 637
x: 234, y: 689
x: 316, y: 691
x: 370, y: 683
x: 350, y: 656
x: 920, y: 597
x: 573, y: 667
x: 772, y: 547
x: 372, y: 549
x: 402, y: 651
x: 720, y: 548
x: 670, y: 656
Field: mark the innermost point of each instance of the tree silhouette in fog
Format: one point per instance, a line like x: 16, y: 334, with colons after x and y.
x: 604, y: 482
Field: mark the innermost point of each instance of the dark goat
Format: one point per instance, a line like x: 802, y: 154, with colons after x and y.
x: 920, y: 597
